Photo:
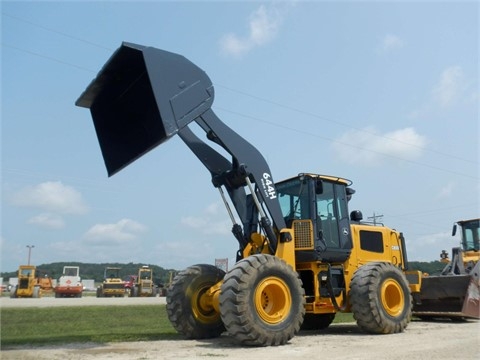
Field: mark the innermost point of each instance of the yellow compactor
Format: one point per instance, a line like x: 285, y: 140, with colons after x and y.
x: 112, y: 285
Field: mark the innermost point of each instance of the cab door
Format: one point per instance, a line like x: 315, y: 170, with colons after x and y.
x: 332, y: 222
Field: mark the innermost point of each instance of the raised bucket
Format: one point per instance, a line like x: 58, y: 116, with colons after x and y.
x: 140, y: 98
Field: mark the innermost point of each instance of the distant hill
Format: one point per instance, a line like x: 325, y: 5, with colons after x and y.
x: 96, y: 271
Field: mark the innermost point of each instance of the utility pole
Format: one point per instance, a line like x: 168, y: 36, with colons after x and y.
x: 374, y: 218
x: 30, y: 247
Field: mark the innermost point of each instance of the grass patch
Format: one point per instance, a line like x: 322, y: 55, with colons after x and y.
x: 99, y: 324
x: 343, y: 318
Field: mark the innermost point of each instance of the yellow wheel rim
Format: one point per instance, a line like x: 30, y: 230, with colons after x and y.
x: 393, y: 299
x: 272, y: 300
x: 202, y: 308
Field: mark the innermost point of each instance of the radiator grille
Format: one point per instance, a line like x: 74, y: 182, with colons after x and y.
x: 303, y: 234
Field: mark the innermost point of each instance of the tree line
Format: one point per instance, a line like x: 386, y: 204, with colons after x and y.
x: 432, y: 267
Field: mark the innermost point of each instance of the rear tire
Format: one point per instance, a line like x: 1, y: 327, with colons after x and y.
x: 262, y: 301
x: 189, y: 314
x: 380, y: 299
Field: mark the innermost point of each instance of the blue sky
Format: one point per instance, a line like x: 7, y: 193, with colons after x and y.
x: 383, y: 93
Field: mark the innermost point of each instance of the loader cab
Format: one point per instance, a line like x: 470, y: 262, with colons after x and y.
x: 470, y: 234
x: 322, y: 200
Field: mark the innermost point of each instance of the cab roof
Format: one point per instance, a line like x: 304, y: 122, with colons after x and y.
x: 330, y: 178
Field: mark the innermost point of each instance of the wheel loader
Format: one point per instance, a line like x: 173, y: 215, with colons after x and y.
x: 455, y: 292
x: 27, y: 286
x: 301, y: 256
x: 144, y: 285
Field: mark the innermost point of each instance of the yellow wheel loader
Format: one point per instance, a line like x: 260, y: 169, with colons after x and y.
x: 27, y: 286
x: 455, y: 293
x: 144, y: 285
x: 301, y: 257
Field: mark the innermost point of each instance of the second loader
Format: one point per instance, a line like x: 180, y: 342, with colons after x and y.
x: 302, y: 256
x: 455, y: 293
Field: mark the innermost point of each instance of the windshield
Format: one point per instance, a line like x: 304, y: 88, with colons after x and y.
x: 26, y: 272
x: 70, y: 272
x: 471, y: 231
x: 293, y: 198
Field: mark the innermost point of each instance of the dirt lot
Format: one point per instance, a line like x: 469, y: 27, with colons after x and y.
x: 437, y: 340
x: 83, y: 301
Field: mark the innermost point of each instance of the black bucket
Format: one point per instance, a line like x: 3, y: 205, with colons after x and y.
x: 449, y: 296
x: 141, y: 98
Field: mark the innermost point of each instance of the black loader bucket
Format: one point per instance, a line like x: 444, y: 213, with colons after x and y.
x: 449, y: 296
x: 141, y: 98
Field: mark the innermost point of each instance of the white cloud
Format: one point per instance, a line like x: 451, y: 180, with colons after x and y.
x: 392, y: 42
x: 51, y: 196
x: 451, y: 89
x: 446, y: 191
x: 263, y: 26
x: 98, y: 252
x: 370, y: 147
x: 194, y: 222
x: 213, y: 208
x: 473, y: 98
x: 450, y: 86
x: 211, y: 222
x: 121, y: 232
x: 429, y: 246
x: 48, y: 220
x: 183, y: 253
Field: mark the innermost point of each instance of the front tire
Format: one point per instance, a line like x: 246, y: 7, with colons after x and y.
x: 188, y: 308
x: 380, y: 299
x: 262, y: 301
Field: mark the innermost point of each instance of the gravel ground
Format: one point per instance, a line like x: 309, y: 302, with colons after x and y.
x: 421, y: 340
x: 83, y: 301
